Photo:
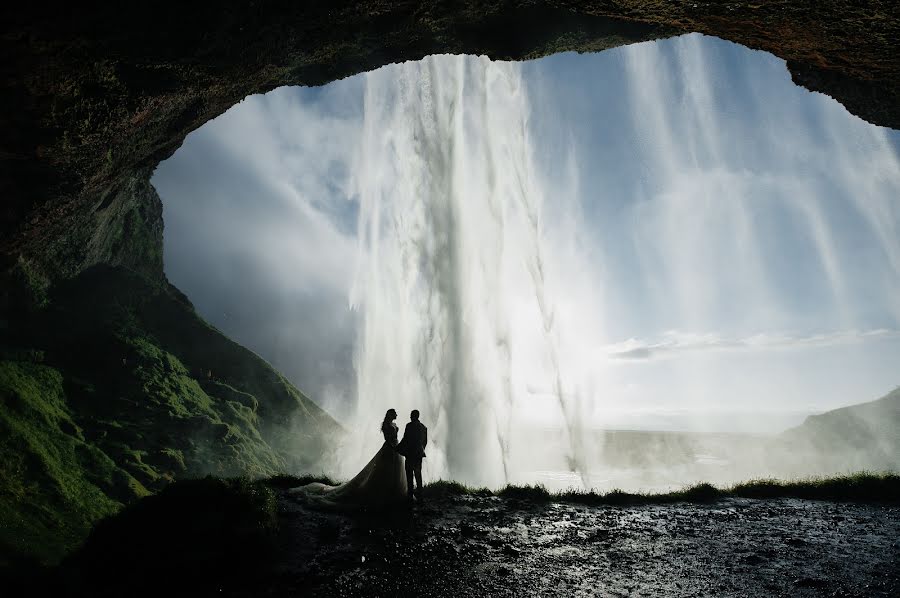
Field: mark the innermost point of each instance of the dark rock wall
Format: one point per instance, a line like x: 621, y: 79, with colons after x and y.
x: 96, y: 94
x: 120, y: 225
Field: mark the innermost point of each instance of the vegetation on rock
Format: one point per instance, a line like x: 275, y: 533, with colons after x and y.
x: 115, y: 388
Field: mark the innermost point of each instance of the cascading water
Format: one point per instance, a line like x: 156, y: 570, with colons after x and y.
x: 663, y: 237
x: 460, y: 285
x: 450, y: 244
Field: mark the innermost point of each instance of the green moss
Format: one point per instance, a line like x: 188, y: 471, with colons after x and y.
x: 134, y: 391
x: 176, y: 458
x: 52, y: 484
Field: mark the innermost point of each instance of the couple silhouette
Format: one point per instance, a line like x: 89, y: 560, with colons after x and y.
x: 412, y: 447
x: 393, y: 475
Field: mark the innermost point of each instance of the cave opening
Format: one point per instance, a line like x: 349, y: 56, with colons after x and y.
x: 666, y: 245
x: 637, y: 268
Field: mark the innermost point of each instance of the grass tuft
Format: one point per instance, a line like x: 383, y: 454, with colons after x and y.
x: 450, y: 488
x: 862, y: 486
x: 111, y: 387
x: 858, y: 487
x: 535, y: 493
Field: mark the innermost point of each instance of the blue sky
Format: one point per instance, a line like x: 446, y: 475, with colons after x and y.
x: 731, y: 238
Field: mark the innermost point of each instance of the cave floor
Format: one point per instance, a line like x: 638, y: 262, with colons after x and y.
x: 488, y: 546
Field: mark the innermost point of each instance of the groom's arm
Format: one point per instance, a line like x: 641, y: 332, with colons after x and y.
x: 424, y: 436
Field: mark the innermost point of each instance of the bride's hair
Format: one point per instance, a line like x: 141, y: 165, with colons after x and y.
x: 388, y: 418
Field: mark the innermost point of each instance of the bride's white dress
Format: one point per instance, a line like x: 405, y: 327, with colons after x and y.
x: 381, y: 482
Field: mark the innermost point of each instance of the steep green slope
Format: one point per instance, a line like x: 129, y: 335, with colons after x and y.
x: 111, y: 388
x: 53, y: 484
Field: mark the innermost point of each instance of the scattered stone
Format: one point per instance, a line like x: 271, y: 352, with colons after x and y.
x: 471, y: 549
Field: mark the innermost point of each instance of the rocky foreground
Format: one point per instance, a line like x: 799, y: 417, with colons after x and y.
x: 242, y: 537
x: 473, y: 545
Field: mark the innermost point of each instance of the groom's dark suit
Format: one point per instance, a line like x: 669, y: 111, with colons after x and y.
x: 415, y: 437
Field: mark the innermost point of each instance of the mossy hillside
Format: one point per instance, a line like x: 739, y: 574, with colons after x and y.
x: 53, y: 484
x: 132, y: 311
x: 123, y: 374
x: 160, y: 423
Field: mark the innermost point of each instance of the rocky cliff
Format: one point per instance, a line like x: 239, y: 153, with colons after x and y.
x: 112, y: 388
x: 94, y: 95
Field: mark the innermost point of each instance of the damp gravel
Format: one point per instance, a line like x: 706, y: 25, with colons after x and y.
x: 487, y: 546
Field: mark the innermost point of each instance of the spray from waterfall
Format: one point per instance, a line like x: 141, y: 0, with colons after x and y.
x: 548, y: 256
x: 450, y: 244
x: 467, y: 297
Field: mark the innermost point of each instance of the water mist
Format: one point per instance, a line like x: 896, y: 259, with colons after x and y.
x: 662, y: 238
x: 450, y: 233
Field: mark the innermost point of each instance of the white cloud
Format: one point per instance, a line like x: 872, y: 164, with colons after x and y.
x: 675, y: 342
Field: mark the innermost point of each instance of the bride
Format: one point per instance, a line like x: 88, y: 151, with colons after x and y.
x: 381, y: 482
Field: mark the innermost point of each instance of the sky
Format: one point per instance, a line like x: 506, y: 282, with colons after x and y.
x: 716, y: 248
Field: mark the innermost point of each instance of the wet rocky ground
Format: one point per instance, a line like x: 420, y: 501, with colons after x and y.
x: 488, y: 546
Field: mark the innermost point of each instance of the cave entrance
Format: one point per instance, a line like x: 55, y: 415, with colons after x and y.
x: 668, y: 236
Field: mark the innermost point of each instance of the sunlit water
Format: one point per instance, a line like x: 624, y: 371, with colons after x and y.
x: 479, y: 281
x: 457, y: 310
x: 506, y: 268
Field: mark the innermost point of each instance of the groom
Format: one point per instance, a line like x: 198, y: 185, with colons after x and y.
x: 415, y: 436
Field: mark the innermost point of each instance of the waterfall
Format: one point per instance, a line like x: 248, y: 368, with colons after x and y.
x: 481, y: 288
x: 450, y: 252
x: 664, y: 236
